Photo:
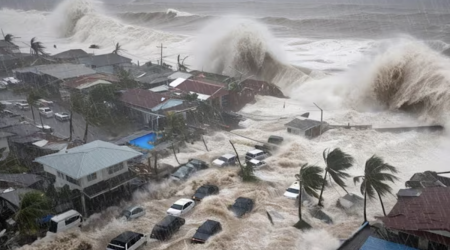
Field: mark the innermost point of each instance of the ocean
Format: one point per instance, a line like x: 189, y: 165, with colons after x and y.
x: 364, y: 62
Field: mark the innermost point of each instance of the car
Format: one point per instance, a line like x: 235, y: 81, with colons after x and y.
x: 198, y: 164
x: 45, y: 128
x: 46, y: 112
x: 8, y: 113
x: 65, y: 221
x: 11, y: 80
x: 293, y: 191
x: 274, y: 139
x: 242, y: 206
x: 131, y: 213
x: 167, y: 227
x: 206, y: 230
x: 127, y: 240
x: 44, y: 103
x: 183, y: 172
x: 225, y: 160
x: 180, y: 207
x: 256, y: 163
x: 256, y: 154
x: 23, y: 105
x: 63, y: 116
x: 205, y: 190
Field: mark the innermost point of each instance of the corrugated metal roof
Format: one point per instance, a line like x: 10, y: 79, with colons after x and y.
x: 71, y: 54
x: 168, y: 104
x: 61, y: 71
x: 176, y: 82
x: 303, y: 125
x: 162, y: 88
x: 104, y: 60
x: 87, y: 159
x: 179, y: 74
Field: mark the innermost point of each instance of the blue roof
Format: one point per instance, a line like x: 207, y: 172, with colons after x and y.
x: 373, y: 243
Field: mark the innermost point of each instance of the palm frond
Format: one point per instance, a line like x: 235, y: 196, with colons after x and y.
x: 376, y: 174
x: 357, y: 179
x: 9, y: 38
x: 311, y: 178
x: 337, y: 162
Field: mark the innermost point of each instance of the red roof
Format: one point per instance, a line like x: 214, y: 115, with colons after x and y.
x: 429, y: 211
x: 204, y: 88
x: 91, y: 78
x: 142, y: 98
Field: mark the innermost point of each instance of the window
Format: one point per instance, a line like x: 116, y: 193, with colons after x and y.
x: 60, y: 175
x: 72, y: 180
x: 115, y: 168
x: 92, y: 177
x: 72, y: 220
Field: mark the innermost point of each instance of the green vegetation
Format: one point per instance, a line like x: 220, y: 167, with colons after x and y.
x: 376, y: 174
x: 175, y: 126
x: 337, y: 162
x: 33, y: 206
x: 11, y: 165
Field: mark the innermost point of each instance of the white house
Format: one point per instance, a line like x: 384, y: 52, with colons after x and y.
x: 93, y: 168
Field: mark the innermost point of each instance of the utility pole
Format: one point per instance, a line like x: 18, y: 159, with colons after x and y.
x: 161, y: 47
x: 321, y: 118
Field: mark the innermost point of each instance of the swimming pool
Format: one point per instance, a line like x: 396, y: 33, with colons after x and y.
x: 145, y: 141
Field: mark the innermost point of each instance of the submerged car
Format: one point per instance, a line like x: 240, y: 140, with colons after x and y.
x: 183, y: 172
x: 198, y: 164
x: 225, y: 160
x: 206, y: 230
x: 256, y: 163
x: 256, y: 154
x: 167, y: 227
x: 293, y: 191
x: 46, y: 112
x: 132, y: 213
x: 127, y: 241
x: 242, y: 206
x: 45, y: 128
x: 204, y: 191
x: 181, y: 207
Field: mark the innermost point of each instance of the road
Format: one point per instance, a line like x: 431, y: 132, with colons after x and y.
x: 61, y: 129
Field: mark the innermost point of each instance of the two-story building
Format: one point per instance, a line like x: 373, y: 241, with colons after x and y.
x: 95, y: 169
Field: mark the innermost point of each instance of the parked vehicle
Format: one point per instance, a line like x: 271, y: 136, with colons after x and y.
x: 44, y: 103
x: 167, y: 227
x: 46, y: 112
x: 63, y: 116
x: 127, y: 241
x: 274, y: 139
x: 181, y: 207
x: 131, y: 213
x: 206, y: 230
x: 293, y: 191
x: 23, y: 105
x: 242, y: 206
x: 256, y: 163
x: 11, y: 80
x: 8, y: 113
x: 198, y: 164
x: 255, y: 154
x: 46, y: 128
x: 65, y: 221
x: 225, y: 160
x: 183, y: 172
x: 205, y: 190
x: 272, y: 144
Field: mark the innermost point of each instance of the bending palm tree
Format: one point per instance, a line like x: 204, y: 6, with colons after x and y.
x: 337, y: 162
x: 9, y: 38
x: 310, y: 181
x: 374, y: 178
x: 36, y: 47
x: 34, y: 205
x: 117, y: 49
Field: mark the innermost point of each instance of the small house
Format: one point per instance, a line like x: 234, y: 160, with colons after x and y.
x: 70, y: 55
x: 306, y: 127
x: 107, y: 63
x: 214, y: 94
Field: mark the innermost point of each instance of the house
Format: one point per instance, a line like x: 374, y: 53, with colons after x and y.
x: 96, y: 168
x: 179, y: 74
x: 212, y: 93
x: 366, y: 238
x: 84, y: 84
x: 8, y: 48
x: 150, y: 75
x: 306, y: 127
x: 9, y: 205
x: 4, y: 146
x: 71, y: 55
x: 107, y: 63
x: 422, y: 220
x: 427, y: 179
x: 24, y: 180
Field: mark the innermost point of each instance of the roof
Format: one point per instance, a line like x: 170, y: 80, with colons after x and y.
x: 162, y: 88
x: 228, y: 156
x: 357, y: 239
x: 21, y: 129
x: 142, y: 98
x: 170, y: 103
x: 64, y: 215
x: 5, y: 134
x: 180, y: 74
x: 153, y: 78
x: 24, y: 180
x: 209, y: 224
x: 13, y: 197
x: 182, y: 201
x: 373, y: 243
x: 4, y: 44
x: 61, y: 71
x: 302, y: 124
x: 87, y: 81
x: 176, y: 82
x: 124, y: 237
x: 255, y: 151
x: 429, y: 211
x: 203, y: 88
x: 71, y: 54
x: 104, y: 60
x: 89, y: 158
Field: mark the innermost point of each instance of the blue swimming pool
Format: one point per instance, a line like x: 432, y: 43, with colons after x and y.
x: 145, y: 141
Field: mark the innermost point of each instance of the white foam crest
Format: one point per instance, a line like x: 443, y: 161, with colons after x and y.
x: 178, y: 13
x: 66, y: 15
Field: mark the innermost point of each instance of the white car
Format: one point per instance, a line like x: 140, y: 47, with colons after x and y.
x: 132, y: 213
x: 181, y: 207
x: 293, y: 191
x: 46, y: 128
x: 225, y: 160
x: 44, y: 103
x: 256, y: 163
x: 11, y: 80
x: 63, y: 116
x: 23, y: 105
x: 256, y: 154
x: 46, y: 112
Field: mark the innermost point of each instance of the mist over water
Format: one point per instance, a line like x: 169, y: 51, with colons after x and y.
x: 363, y: 63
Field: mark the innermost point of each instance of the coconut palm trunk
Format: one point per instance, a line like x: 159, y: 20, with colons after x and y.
x: 300, y: 201
x: 365, y: 203
x: 32, y: 113
x: 42, y: 123
x: 86, y: 132
x: 323, y: 187
x: 382, y: 205
x: 70, y: 126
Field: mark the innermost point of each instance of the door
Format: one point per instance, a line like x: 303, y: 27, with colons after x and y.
x: 187, y: 207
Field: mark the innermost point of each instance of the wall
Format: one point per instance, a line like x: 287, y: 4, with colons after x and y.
x: 59, y: 182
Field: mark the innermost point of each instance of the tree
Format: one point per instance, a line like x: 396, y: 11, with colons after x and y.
x: 117, y: 49
x: 32, y: 99
x: 181, y: 66
x: 33, y: 206
x: 309, y: 180
x: 376, y: 174
x: 175, y: 125
x: 36, y: 47
x: 191, y: 97
x: 336, y: 162
x: 9, y: 38
x: 246, y: 171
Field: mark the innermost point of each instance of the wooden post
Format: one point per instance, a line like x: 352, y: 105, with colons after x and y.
x: 237, y: 156
x: 173, y: 148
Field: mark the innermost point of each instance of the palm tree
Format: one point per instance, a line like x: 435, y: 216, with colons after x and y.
x: 9, y: 38
x: 34, y: 205
x: 175, y: 125
x: 376, y: 174
x: 310, y: 180
x: 32, y: 99
x: 336, y: 162
x: 117, y: 49
x: 36, y: 47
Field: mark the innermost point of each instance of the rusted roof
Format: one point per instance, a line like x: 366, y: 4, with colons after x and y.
x: 142, y: 98
x: 429, y: 211
x: 204, y: 88
x: 74, y: 83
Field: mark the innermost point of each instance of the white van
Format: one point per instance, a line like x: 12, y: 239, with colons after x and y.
x: 65, y: 221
